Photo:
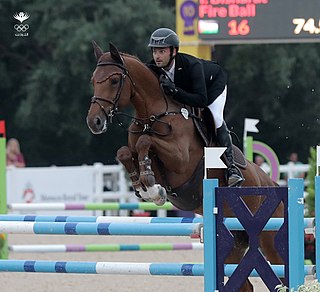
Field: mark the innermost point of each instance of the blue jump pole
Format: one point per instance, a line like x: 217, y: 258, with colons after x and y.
x: 231, y: 223
x: 317, y: 211
x: 209, y: 225
x: 121, y: 268
x: 101, y: 219
x: 296, y: 233
x: 83, y: 228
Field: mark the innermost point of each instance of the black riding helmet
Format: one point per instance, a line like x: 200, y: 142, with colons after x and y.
x: 164, y: 38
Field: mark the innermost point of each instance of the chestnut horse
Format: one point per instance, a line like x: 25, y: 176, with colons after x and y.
x: 164, y: 156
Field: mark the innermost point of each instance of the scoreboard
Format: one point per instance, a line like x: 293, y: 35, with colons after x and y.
x: 258, y: 21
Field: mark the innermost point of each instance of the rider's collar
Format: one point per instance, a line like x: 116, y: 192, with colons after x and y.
x: 170, y: 72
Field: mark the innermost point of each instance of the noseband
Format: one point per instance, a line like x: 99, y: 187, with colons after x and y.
x: 115, y: 100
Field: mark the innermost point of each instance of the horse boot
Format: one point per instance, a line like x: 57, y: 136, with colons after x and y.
x: 124, y: 155
x: 234, y: 176
x: 155, y: 192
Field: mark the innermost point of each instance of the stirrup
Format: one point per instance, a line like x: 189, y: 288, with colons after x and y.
x: 235, y: 179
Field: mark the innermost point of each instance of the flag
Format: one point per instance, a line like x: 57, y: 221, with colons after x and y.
x: 212, y: 157
x: 250, y: 125
x: 2, y: 129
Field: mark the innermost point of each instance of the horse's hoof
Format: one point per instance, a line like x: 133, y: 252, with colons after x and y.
x: 144, y: 194
x: 162, y: 197
x: 151, y: 180
x: 160, y: 201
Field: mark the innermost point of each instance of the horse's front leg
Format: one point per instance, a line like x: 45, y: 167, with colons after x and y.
x: 154, y: 191
x: 125, y: 157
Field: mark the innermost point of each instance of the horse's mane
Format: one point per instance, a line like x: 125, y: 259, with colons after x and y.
x: 136, y: 58
x: 131, y: 56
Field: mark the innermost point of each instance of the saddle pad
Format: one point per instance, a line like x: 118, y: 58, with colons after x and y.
x: 239, y: 158
x: 204, y: 125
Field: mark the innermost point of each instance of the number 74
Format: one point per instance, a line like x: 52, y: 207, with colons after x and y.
x: 306, y: 25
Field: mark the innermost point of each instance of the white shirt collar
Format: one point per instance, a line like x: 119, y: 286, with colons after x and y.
x: 170, y: 73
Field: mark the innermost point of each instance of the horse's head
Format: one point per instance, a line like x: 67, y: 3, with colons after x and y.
x: 112, y: 88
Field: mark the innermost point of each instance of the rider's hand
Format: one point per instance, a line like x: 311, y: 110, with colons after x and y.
x: 168, y: 86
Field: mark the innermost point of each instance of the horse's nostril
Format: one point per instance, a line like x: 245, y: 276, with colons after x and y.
x: 97, y: 121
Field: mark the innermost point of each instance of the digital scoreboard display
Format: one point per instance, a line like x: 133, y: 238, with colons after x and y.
x: 241, y: 21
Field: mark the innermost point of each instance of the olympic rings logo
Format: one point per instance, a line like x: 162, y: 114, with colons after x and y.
x: 21, y: 27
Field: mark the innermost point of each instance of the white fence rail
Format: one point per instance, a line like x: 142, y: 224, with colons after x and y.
x: 76, y: 184
x: 89, y: 184
x: 289, y: 170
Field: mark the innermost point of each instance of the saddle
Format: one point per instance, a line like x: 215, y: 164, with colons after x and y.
x: 183, y: 197
x: 204, y: 124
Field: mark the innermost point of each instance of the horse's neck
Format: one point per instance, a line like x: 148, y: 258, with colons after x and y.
x: 148, y: 98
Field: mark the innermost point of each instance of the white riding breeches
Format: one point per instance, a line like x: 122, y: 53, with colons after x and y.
x: 217, y: 108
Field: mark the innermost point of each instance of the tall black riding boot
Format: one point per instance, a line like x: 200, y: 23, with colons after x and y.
x: 234, y: 176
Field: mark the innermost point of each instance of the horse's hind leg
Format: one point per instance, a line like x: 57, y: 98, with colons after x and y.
x: 267, y: 245
x: 241, y: 241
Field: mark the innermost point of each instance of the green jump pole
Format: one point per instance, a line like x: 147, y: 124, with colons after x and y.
x: 3, y: 195
x: 249, y: 148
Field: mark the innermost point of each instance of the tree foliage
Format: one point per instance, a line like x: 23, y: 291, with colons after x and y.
x: 277, y: 85
x: 45, y: 79
x: 45, y: 90
x: 310, y: 198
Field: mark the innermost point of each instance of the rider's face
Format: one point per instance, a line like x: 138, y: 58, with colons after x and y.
x: 161, y: 56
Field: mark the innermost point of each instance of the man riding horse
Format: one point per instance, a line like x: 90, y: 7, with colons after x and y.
x: 197, y: 83
x: 164, y: 155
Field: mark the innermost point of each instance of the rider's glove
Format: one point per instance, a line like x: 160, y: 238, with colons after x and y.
x: 168, y: 86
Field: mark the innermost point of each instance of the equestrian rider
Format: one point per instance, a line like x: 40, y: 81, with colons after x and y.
x: 195, y: 82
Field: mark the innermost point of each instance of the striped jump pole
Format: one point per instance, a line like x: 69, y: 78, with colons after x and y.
x: 83, y: 228
x: 122, y: 268
x: 88, y: 206
x: 231, y: 223
x: 99, y: 219
x: 104, y: 247
x: 115, y: 268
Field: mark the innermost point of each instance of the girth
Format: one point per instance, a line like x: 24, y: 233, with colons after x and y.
x: 188, y: 196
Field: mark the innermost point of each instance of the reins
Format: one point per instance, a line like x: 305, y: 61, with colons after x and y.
x: 146, y: 124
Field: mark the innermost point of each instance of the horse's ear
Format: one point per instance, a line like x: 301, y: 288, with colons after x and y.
x: 115, y: 55
x: 97, y: 50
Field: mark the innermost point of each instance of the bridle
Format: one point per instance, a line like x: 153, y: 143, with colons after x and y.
x: 114, y: 102
x: 145, y: 124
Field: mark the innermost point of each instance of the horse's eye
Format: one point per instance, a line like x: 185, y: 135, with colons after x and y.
x: 114, y: 81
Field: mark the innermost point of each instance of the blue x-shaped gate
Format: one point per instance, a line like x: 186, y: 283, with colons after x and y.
x: 253, y: 224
